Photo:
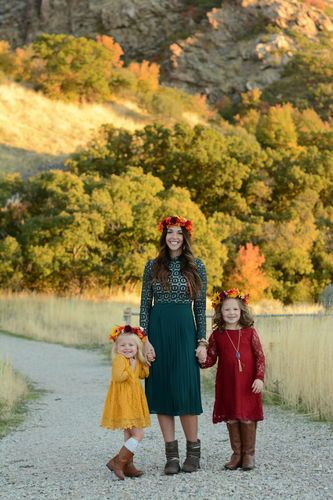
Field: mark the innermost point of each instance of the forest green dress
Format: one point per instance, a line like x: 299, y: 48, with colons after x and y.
x: 174, y: 323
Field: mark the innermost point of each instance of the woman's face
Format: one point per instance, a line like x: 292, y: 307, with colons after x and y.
x: 231, y: 312
x: 174, y: 240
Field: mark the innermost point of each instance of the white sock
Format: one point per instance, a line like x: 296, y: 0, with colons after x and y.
x: 131, y: 444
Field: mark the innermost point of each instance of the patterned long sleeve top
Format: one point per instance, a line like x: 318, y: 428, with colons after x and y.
x: 153, y: 292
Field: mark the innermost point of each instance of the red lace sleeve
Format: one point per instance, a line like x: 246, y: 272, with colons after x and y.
x: 259, y: 355
x: 211, y: 353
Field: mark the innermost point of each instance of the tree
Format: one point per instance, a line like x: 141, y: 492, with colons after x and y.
x: 248, y: 274
x: 65, y: 67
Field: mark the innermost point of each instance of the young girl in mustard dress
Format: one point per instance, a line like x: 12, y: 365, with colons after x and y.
x: 126, y: 405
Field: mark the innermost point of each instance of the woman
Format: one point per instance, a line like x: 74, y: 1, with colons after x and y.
x: 171, y: 284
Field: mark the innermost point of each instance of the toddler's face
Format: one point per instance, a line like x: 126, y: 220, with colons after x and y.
x: 231, y: 312
x: 127, y: 346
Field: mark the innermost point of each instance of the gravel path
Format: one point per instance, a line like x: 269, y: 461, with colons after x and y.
x: 60, y: 451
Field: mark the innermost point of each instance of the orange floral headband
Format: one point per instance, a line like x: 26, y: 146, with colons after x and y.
x: 232, y: 293
x: 136, y: 330
x: 176, y: 221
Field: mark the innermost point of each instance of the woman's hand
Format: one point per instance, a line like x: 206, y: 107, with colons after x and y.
x: 149, y: 351
x: 201, y: 353
x: 257, y: 386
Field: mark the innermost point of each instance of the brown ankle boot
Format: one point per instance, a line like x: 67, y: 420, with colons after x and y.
x: 131, y: 471
x: 117, y: 463
x: 192, y: 461
x: 172, y: 465
x: 248, y: 436
x: 236, y: 446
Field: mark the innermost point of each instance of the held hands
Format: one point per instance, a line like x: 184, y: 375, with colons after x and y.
x: 149, y: 352
x: 201, y: 353
x: 257, y: 386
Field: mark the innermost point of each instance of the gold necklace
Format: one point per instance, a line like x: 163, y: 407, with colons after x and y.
x: 236, y: 349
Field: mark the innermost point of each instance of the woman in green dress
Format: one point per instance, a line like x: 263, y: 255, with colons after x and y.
x: 173, y: 315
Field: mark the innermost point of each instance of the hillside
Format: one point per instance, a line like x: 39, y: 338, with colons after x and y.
x: 36, y: 132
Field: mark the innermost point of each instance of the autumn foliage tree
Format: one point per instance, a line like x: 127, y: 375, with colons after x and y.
x: 249, y: 274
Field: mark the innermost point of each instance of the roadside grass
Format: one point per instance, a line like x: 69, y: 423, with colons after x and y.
x: 15, y: 394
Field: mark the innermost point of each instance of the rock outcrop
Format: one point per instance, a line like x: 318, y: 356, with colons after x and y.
x: 242, y: 45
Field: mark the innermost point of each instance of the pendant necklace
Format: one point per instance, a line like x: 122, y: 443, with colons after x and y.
x: 236, y: 349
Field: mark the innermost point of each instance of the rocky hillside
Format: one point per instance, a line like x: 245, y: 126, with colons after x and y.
x: 241, y: 45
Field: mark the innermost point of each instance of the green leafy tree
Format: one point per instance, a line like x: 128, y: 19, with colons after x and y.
x: 65, y: 67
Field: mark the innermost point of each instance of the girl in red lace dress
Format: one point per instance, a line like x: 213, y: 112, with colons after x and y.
x: 240, y: 374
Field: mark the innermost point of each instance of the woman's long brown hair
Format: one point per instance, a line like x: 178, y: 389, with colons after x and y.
x: 187, y: 265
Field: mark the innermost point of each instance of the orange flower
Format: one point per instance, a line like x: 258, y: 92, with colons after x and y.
x: 136, y: 330
x: 175, y: 220
x: 232, y: 293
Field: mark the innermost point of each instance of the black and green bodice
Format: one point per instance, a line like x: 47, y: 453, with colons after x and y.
x: 178, y: 293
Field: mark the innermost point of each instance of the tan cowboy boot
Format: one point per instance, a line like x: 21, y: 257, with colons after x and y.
x: 131, y: 471
x: 236, y: 446
x: 117, y: 463
x: 248, y: 435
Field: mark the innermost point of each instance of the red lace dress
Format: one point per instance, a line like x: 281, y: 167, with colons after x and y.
x: 234, y: 399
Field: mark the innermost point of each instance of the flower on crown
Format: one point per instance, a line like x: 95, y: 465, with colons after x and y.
x: 232, y: 293
x: 136, y: 330
x: 176, y: 221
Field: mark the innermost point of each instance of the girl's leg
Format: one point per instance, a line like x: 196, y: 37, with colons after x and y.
x: 167, y: 425
x: 248, y: 435
x: 135, y: 435
x: 190, y: 428
x: 236, y: 445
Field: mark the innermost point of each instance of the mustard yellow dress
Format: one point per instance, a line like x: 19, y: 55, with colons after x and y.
x: 126, y: 404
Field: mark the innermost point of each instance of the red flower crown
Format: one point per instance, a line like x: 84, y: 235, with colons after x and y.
x: 232, y: 293
x: 136, y: 330
x: 176, y: 221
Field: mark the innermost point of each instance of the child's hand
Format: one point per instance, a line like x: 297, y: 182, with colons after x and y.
x: 132, y: 362
x: 201, y: 353
x: 257, y: 386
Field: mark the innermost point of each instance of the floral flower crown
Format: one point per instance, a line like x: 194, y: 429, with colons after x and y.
x: 136, y: 330
x: 232, y: 293
x: 176, y: 221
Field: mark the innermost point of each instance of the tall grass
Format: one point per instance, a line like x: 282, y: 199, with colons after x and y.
x: 13, y: 388
x: 299, y: 355
x: 68, y: 321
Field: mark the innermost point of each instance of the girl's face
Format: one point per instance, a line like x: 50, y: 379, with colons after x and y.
x: 231, y: 313
x: 127, y: 346
x: 174, y: 240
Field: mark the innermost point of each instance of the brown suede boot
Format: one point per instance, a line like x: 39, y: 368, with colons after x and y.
x: 131, y: 471
x: 172, y: 465
x: 192, y: 461
x: 236, y: 446
x: 248, y: 436
x: 117, y: 463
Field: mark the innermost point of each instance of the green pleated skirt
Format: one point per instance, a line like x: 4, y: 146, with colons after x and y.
x: 173, y: 385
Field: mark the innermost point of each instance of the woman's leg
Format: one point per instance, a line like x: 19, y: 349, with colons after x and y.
x: 167, y: 425
x: 190, y: 427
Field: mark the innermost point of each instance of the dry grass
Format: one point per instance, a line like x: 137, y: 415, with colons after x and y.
x: 68, y: 321
x: 36, y: 132
x: 13, y: 389
x: 299, y: 354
